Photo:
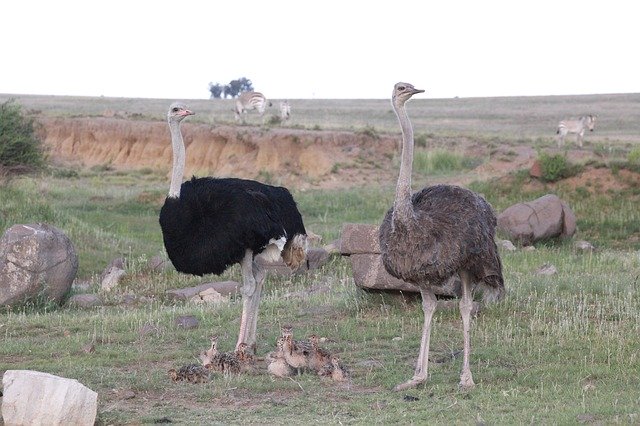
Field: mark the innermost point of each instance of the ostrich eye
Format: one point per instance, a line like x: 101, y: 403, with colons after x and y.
x: 175, y: 109
x: 401, y: 88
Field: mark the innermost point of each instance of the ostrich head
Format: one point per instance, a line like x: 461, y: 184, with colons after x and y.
x: 402, y: 92
x: 178, y: 111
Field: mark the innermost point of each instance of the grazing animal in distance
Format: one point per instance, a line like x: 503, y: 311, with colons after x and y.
x: 248, y: 101
x: 575, y: 126
x: 209, y: 224
x: 431, y: 235
x: 285, y: 110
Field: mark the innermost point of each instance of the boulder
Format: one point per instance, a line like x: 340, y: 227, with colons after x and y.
x: 35, y: 259
x: 543, y: 218
x: 36, y: 398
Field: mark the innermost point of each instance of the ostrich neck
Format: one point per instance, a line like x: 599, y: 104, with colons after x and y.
x: 402, y: 205
x: 178, y: 159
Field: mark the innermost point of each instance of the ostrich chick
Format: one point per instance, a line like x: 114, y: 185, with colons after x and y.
x: 318, y: 356
x: 278, y: 365
x: 192, y: 373
x: 335, y: 370
x: 296, y: 352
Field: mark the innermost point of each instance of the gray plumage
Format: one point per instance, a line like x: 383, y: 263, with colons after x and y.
x: 438, y: 232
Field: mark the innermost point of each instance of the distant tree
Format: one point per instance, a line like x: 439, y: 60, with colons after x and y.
x: 215, y: 90
x: 231, y: 90
x: 20, y: 148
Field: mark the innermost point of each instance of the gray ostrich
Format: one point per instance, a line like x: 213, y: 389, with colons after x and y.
x: 438, y: 232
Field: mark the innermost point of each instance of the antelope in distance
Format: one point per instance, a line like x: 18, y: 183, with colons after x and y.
x: 575, y: 126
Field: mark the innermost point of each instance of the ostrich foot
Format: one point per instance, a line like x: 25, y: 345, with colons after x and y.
x: 410, y: 384
x: 466, y: 381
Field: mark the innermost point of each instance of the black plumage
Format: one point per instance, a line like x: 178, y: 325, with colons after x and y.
x: 209, y: 224
x: 214, y: 220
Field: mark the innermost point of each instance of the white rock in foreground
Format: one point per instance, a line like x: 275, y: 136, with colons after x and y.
x: 36, y: 398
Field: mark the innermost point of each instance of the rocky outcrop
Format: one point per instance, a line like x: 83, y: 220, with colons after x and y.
x: 35, y: 398
x: 218, y: 151
x: 35, y: 260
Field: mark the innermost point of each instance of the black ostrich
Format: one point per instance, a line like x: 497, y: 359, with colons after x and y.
x: 209, y: 224
x: 438, y: 232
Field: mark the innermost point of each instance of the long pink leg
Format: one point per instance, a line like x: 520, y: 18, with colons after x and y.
x: 251, y: 293
x: 466, y: 306
x: 429, y: 304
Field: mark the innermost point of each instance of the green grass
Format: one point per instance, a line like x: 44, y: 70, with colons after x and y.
x: 556, y: 350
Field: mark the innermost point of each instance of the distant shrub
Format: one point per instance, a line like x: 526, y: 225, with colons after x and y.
x: 634, y: 156
x: 555, y: 167
x: 19, y: 146
x: 273, y: 120
x: 369, y: 131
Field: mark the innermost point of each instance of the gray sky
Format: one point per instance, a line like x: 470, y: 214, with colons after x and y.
x: 319, y: 49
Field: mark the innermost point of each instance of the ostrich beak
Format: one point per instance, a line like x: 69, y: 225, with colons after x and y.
x: 414, y: 91
x: 186, y: 112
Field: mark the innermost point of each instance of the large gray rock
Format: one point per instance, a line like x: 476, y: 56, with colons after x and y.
x: 35, y: 259
x: 35, y: 398
x: 540, y: 219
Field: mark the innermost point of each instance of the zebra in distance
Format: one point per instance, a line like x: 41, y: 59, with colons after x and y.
x: 285, y: 110
x: 248, y: 101
x: 575, y: 126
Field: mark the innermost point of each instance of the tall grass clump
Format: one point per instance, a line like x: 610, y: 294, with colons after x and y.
x: 555, y: 167
x: 19, y: 145
x: 438, y: 161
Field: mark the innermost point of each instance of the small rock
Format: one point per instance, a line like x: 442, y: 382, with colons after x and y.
x: 89, y: 348
x: 112, y: 278
x: 187, y: 321
x: 147, y: 329
x: 507, y: 245
x: 84, y: 301
x: 208, y: 296
x: 159, y: 264
x: 529, y: 248
x: 547, y: 269
x: 584, y: 246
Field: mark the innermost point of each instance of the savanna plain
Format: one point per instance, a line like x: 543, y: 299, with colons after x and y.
x: 559, y: 349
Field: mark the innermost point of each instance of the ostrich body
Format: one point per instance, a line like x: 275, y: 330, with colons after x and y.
x: 209, y: 224
x: 438, y: 232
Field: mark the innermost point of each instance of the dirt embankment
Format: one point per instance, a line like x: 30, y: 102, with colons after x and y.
x: 284, y: 156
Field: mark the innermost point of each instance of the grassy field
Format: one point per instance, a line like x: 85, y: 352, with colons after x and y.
x: 560, y: 349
